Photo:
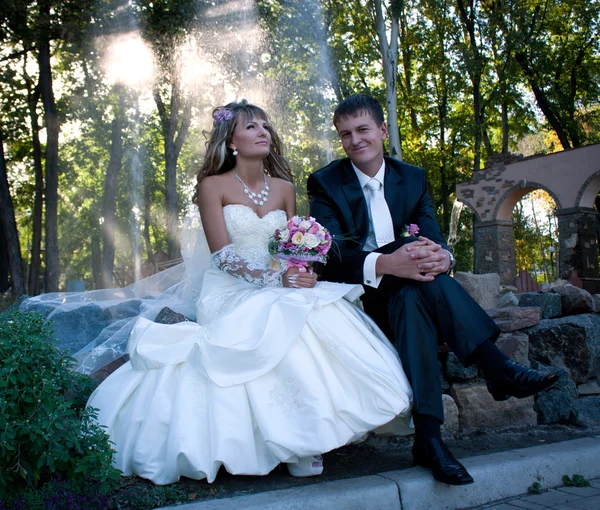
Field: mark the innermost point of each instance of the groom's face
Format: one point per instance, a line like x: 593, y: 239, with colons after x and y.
x: 362, y: 140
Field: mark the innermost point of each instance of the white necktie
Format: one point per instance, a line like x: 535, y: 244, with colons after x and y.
x: 380, y: 214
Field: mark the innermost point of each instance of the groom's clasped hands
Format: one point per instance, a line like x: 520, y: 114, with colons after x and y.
x: 420, y: 260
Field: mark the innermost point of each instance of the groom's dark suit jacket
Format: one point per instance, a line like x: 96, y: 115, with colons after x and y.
x: 337, y: 201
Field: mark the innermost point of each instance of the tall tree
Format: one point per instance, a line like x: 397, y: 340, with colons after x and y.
x: 388, y: 46
x: 9, y: 229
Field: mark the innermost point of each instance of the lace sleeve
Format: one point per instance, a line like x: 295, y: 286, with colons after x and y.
x: 228, y: 261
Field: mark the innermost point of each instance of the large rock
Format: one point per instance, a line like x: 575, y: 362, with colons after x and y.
x: 478, y: 409
x: 105, y: 371
x: 515, y: 346
x: 556, y: 405
x: 507, y: 299
x: 76, y: 328
x: 513, y: 318
x: 168, y: 316
x: 569, y: 342
x: 574, y: 300
x: 589, y: 388
x: 549, y: 303
x: 123, y: 310
x: 450, y: 425
x: 483, y: 288
x: 455, y: 371
x: 587, y: 410
x: 596, y: 302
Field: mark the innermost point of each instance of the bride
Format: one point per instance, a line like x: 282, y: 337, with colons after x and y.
x: 277, y: 368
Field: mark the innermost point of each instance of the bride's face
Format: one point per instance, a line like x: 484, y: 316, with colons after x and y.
x: 251, y: 138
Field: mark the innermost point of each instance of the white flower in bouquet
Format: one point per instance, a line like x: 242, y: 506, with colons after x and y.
x: 298, y: 238
x: 311, y: 240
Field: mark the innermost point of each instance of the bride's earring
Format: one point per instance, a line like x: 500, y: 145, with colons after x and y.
x: 235, y: 152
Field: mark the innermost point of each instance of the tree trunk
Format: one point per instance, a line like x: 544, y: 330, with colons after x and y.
x: 389, y: 60
x: 505, y: 126
x: 52, y: 272
x: 110, y: 190
x: 542, y: 101
x: 9, y: 229
x: 146, y: 231
x: 175, y: 124
x: 96, y: 256
x: 475, y: 69
x: 442, y: 112
x: 33, y: 283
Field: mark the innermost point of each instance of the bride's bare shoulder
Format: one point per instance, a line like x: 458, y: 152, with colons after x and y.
x: 213, y: 182
x: 282, y: 183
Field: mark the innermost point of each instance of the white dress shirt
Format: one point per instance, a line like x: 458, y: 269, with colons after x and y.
x: 369, y: 273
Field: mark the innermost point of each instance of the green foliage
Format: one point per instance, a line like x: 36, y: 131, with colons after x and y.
x: 575, y: 481
x: 59, y: 495
x: 45, y: 429
x: 535, y: 488
x: 158, y: 496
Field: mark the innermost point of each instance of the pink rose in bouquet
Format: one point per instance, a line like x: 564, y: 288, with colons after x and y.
x: 301, y: 242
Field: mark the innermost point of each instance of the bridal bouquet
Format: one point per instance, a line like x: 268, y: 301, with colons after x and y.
x: 302, y: 241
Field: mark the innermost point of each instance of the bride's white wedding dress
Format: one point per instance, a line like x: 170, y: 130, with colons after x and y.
x: 267, y: 375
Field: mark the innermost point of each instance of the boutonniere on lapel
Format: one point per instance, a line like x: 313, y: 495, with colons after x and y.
x: 411, y: 230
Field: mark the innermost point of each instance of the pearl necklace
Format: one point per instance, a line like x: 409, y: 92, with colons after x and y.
x: 259, y: 198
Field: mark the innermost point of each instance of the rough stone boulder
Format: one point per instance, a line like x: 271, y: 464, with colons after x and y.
x: 574, y: 300
x: 513, y: 318
x: 122, y: 310
x: 589, y: 388
x: 515, y: 346
x: 507, y: 299
x: 483, y: 288
x: 450, y: 425
x: 455, y: 371
x: 76, y: 328
x: 105, y: 371
x: 168, y: 316
x: 571, y: 342
x: 587, y: 410
x: 596, y: 302
x: 548, y: 302
x: 478, y: 409
x: 556, y: 405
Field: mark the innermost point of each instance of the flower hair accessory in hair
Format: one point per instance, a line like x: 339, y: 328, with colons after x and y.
x: 222, y: 115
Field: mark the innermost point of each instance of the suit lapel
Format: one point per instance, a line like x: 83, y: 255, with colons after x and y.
x: 358, y: 215
x: 395, y: 196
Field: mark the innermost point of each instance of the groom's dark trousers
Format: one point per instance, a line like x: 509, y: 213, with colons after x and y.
x: 416, y: 316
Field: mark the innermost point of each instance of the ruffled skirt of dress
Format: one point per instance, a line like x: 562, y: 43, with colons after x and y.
x: 270, y: 374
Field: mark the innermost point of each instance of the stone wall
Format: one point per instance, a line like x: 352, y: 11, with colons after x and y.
x: 558, y: 327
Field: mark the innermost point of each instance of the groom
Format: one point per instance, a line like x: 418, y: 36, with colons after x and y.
x: 366, y: 201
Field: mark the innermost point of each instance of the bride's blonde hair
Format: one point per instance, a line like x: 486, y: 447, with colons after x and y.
x: 219, y: 157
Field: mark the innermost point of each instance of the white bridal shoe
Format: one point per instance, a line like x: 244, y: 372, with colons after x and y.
x: 306, y: 466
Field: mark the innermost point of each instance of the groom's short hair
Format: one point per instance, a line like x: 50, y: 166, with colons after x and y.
x: 355, y: 105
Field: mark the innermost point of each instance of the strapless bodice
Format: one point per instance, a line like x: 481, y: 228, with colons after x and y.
x: 250, y: 233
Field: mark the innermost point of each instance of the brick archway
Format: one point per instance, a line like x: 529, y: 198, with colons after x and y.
x: 572, y: 178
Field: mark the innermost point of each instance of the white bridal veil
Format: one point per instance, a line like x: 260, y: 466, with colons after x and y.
x: 94, y: 326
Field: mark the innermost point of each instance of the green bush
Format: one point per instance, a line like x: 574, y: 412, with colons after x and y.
x: 45, y: 429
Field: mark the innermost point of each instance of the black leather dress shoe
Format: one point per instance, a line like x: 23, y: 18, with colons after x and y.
x: 435, y: 455
x: 520, y: 381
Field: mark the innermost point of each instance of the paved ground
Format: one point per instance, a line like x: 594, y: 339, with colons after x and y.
x: 502, y: 480
x: 567, y: 498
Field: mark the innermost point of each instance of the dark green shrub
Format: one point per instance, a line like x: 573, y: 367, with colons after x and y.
x: 45, y: 429
x: 59, y: 495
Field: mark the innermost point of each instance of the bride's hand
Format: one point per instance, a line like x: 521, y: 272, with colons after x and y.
x: 296, y: 279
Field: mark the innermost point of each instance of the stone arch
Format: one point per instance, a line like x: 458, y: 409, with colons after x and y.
x: 589, y: 191
x: 476, y: 215
x: 571, y: 178
x: 507, y: 202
